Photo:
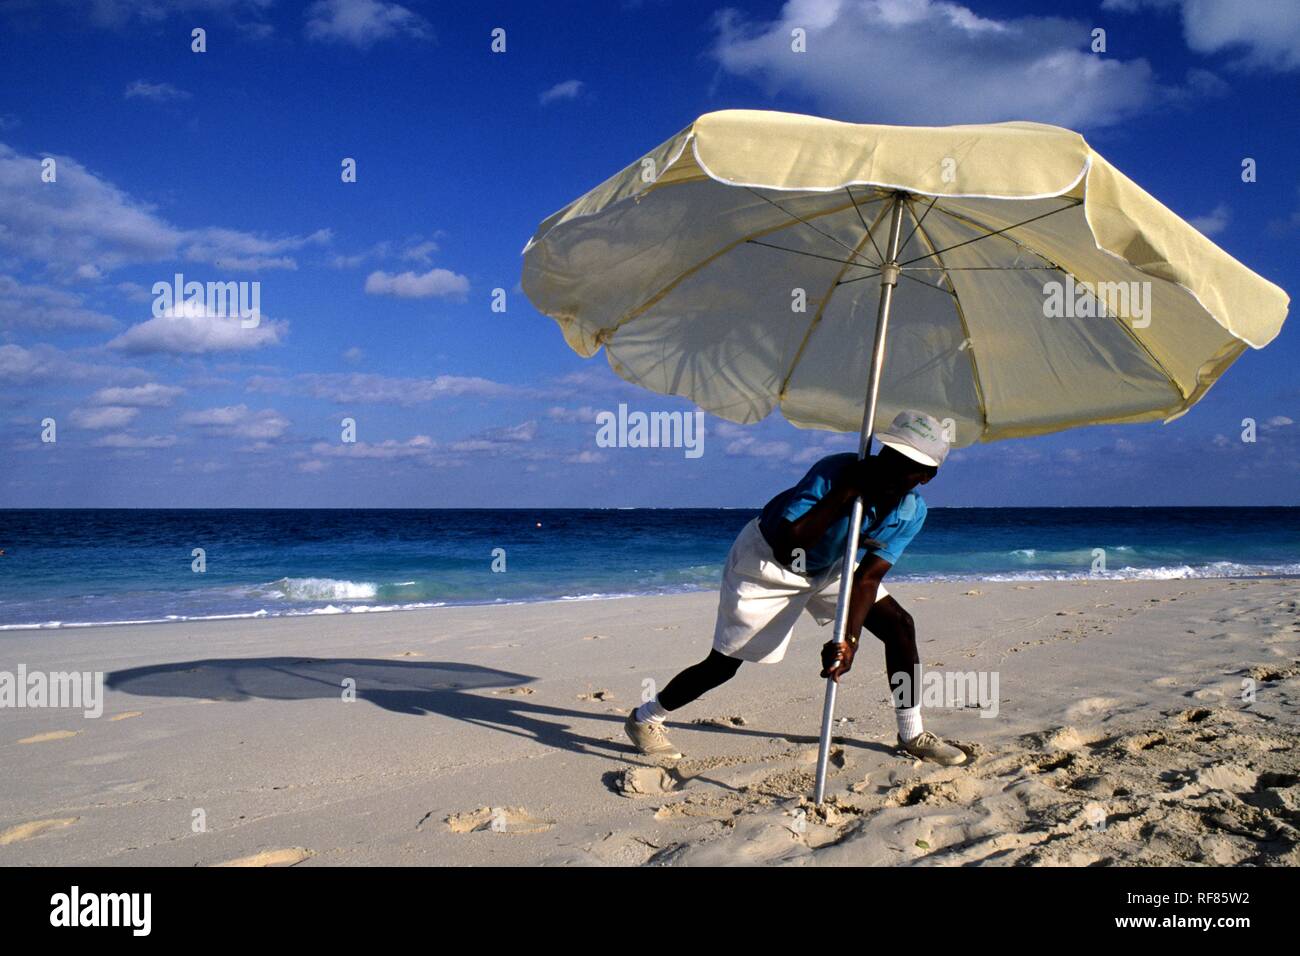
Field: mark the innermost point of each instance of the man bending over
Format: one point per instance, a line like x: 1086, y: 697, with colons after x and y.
x: 788, y: 560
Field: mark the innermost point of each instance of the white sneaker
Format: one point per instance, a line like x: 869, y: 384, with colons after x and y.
x: 649, y: 738
x: 927, y: 746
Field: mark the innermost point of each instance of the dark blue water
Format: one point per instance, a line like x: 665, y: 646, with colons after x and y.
x: 65, y: 567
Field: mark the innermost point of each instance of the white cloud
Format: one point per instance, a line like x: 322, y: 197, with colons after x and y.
x: 197, y: 335
x: 119, y: 14
x: 124, y: 440
x: 932, y: 61
x: 1265, y: 34
x: 156, y: 92
x: 149, y: 395
x: 111, y: 416
x: 239, y: 421
x: 498, y: 439
x: 753, y: 448
x: 347, y: 388
x: 81, y: 222
x: 558, y: 413
x: 44, y: 363
x: 441, y: 283
x: 586, y: 458
x: 362, y: 23
x: 568, y: 90
x: 135, y: 292
x: 420, y: 252
x: 749, y: 442
x: 353, y: 355
x: 1212, y: 223
x: 526, y: 431
x: 412, y: 249
x: 817, y: 452
x: 421, y: 446
x: 341, y: 261
x: 232, y: 249
x: 41, y: 307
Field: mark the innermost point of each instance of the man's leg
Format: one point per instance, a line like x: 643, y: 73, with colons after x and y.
x: 697, y: 680
x: 758, y: 603
x: 888, y: 621
x: 645, y: 724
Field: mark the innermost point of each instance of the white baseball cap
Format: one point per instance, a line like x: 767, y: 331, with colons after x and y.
x: 918, y: 436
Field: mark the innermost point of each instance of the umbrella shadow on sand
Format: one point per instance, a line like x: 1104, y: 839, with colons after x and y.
x: 415, y: 688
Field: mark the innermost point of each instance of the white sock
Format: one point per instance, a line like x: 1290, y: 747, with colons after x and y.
x: 909, y: 722
x: 651, y: 711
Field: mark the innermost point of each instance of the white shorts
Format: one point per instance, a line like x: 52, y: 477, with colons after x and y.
x: 760, y: 600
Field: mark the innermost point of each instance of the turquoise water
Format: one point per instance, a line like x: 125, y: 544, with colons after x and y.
x: 70, y: 567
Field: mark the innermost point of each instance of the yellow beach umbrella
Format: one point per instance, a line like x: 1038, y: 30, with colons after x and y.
x: 756, y: 261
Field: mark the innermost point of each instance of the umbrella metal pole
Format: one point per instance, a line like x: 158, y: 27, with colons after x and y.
x: 888, y: 279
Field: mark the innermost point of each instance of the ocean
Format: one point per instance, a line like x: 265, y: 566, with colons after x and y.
x: 67, y: 568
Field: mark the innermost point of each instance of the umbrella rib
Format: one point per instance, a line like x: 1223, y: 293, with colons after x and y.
x: 998, y: 232
x: 880, y: 256
x: 874, y: 274
x: 1048, y: 268
x: 972, y: 221
x: 814, y: 255
x: 965, y: 327
x: 816, y: 320
x: 604, y: 334
x: 933, y: 200
x: 845, y: 245
x: 1146, y: 349
x: 929, y: 285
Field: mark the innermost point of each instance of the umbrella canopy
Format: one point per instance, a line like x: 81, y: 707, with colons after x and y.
x: 738, y: 265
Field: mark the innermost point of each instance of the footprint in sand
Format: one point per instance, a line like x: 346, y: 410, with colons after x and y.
x: 960, y: 789
x: 648, y: 782
x: 597, y: 695
x: 407, y: 654
x: 729, y: 721
x: 515, y: 691
x: 497, y: 820
x: 1091, y: 707
x: 1268, y: 673
x: 34, y: 828
x: 834, y: 759
x: 52, y: 735
x: 98, y: 760
x: 1064, y: 739
x: 289, y: 856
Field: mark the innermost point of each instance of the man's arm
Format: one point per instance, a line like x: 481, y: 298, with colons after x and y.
x: 866, y: 581
x: 810, y: 527
x: 838, y: 658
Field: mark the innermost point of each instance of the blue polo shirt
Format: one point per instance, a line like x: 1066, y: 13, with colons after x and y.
x: 887, y: 538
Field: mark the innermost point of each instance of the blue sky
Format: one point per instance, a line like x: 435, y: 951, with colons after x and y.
x: 376, y: 295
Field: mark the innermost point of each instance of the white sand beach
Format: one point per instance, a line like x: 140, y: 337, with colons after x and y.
x: 494, y: 736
